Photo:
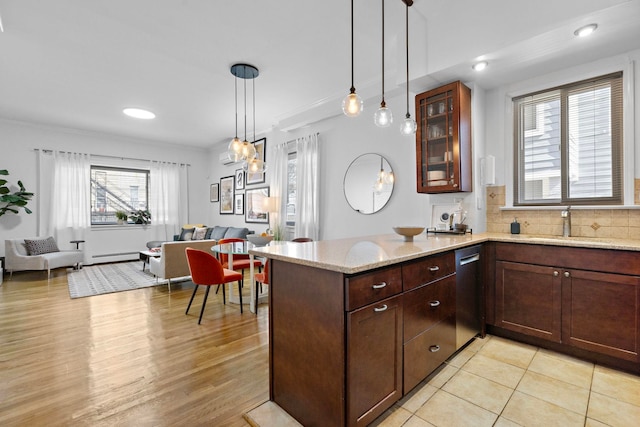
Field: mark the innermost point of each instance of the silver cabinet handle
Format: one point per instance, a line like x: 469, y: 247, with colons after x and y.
x: 383, y: 308
x: 434, y: 348
x: 434, y: 303
x: 555, y: 274
x: 380, y: 285
x: 566, y: 274
x: 434, y: 268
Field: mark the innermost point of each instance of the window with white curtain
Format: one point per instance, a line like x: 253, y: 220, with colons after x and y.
x: 569, y: 144
x: 117, y: 189
x: 292, y: 188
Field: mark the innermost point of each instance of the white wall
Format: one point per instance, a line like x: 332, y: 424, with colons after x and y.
x: 18, y: 142
x: 343, y: 139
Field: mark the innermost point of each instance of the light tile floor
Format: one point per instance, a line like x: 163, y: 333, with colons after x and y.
x: 498, y: 382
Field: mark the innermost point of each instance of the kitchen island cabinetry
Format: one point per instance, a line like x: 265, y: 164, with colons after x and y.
x: 588, y: 299
x: 345, y: 347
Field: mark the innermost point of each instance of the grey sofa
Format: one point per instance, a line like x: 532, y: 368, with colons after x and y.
x: 17, y: 258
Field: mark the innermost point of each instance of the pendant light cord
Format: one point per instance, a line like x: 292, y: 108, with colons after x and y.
x: 382, y: 104
x: 253, y: 85
x: 353, y: 89
x: 245, y: 106
x: 236, y: 93
x: 407, y: 52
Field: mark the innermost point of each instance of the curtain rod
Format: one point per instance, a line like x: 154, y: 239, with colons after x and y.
x: 293, y: 141
x: 46, y: 150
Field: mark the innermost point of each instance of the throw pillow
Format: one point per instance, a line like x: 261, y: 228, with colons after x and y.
x: 218, y: 232
x: 237, y: 232
x: 186, y: 234
x: 41, y: 246
x: 199, y: 233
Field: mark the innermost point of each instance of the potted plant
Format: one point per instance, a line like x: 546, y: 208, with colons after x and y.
x: 12, y: 202
x: 121, y: 216
x: 140, y: 217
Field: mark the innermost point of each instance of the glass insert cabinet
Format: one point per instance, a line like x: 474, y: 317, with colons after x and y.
x: 443, y: 139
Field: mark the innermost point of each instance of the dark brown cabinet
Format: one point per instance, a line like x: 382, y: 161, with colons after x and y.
x: 443, y: 139
x: 528, y: 299
x: 586, y: 299
x: 374, y: 359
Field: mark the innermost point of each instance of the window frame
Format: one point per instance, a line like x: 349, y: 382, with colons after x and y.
x: 95, y: 167
x: 618, y: 161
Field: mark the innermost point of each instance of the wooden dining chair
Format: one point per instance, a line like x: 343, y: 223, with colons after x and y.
x: 207, y: 271
x: 302, y: 239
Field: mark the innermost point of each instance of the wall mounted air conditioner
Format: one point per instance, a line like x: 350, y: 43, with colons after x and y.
x: 225, y: 159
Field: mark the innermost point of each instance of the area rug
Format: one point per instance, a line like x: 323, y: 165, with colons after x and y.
x: 107, y: 278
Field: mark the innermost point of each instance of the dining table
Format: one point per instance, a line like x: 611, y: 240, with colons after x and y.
x: 242, y: 248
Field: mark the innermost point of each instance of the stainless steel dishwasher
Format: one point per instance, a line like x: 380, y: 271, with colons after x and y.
x: 468, y: 294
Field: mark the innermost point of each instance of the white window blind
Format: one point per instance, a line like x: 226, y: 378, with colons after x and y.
x: 569, y: 144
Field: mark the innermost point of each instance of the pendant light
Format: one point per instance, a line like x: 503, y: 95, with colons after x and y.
x: 245, y: 150
x: 255, y: 164
x: 352, y: 104
x: 383, y: 117
x: 408, y: 126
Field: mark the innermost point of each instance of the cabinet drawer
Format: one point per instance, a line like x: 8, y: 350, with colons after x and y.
x: 427, y: 351
x: 427, y: 305
x: 368, y: 288
x: 427, y: 270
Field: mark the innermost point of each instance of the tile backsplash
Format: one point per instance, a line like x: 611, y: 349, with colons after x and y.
x: 611, y: 223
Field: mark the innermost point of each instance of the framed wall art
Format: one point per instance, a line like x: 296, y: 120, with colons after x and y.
x: 239, y: 179
x: 254, y: 210
x: 214, y: 192
x: 239, y: 204
x: 226, y: 194
x: 261, y: 149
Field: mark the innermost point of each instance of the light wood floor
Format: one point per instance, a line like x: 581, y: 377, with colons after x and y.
x: 126, y: 359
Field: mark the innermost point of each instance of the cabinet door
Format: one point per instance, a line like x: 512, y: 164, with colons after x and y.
x: 443, y: 139
x: 528, y: 299
x: 601, y: 312
x: 374, y: 360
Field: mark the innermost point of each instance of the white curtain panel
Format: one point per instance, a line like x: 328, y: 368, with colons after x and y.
x: 307, y: 212
x: 168, y: 198
x: 279, y: 186
x: 70, y: 201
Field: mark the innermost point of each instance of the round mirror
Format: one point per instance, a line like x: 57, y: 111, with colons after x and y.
x: 368, y: 183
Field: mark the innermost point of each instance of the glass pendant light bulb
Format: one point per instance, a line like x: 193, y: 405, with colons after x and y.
x: 247, y: 151
x: 352, y: 104
x: 234, y: 149
x: 408, y: 126
x: 255, y: 165
x: 383, y: 116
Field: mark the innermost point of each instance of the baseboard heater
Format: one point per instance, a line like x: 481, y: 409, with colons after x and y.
x: 118, y: 254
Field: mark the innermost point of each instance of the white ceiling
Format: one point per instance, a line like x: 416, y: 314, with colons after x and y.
x: 78, y: 63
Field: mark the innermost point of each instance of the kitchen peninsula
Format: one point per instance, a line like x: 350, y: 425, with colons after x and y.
x: 356, y: 323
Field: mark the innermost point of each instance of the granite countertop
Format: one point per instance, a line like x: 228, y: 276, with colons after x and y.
x: 357, y: 254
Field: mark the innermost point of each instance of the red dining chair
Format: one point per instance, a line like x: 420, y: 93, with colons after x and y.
x: 261, y: 278
x: 302, y: 239
x: 240, y: 261
x: 207, y: 271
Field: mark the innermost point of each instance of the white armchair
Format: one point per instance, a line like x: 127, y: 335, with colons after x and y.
x: 18, y: 259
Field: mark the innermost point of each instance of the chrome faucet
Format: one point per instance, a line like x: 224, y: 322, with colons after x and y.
x: 566, y: 222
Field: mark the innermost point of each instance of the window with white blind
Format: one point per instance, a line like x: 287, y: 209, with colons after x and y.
x: 569, y: 144
x: 117, y: 189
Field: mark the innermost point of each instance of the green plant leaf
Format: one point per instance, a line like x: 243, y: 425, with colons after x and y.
x: 4, y: 190
x: 4, y: 172
x: 27, y: 210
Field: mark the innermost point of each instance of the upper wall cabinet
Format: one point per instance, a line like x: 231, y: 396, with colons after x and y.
x: 443, y: 139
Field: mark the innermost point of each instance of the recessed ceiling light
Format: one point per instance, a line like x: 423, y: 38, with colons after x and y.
x: 479, y: 66
x: 139, y: 113
x: 586, y: 30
